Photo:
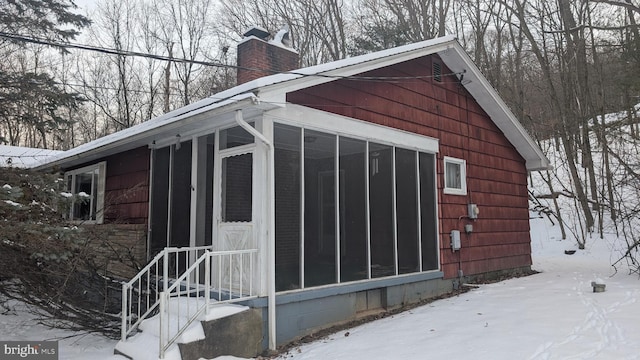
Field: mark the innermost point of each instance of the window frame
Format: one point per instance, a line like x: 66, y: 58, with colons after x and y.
x: 462, y: 190
x: 98, y: 198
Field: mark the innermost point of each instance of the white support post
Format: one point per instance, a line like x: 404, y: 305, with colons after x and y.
x: 161, y: 318
x: 195, y: 189
x: 419, y: 213
x: 271, y: 237
x: 207, y: 280
x: 336, y: 212
x: 125, y: 313
x: 271, y: 253
x: 394, y: 201
x: 165, y: 270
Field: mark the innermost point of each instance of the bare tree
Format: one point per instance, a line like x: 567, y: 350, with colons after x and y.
x: 115, y: 28
x: 319, y: 29
x: 187, y: 25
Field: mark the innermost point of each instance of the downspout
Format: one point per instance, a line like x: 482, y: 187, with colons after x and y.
x: 271, y: 237
x: 152, y: 161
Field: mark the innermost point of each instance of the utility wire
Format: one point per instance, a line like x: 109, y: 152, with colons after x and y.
x: 42, y: 41
x: 9, y: 156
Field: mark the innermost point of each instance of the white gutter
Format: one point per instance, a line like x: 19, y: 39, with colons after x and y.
x: 271, y: 237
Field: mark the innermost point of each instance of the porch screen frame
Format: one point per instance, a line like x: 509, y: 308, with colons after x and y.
x: 349, y: 128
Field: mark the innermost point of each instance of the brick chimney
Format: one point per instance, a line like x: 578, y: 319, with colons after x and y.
x: 258, y: 56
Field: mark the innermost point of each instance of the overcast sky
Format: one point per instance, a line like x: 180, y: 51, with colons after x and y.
x: 85, y: 5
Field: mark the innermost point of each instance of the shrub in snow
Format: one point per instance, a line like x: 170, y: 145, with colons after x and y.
x: 51, y: 264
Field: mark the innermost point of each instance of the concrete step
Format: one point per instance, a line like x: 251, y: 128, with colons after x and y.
x: 223, y: 330
x: 239, y: 334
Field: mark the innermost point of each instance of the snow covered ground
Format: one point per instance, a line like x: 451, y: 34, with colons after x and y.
x: 19, y: 325
x: 550, y: 315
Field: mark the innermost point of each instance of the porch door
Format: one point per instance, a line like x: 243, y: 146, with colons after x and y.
x: 235, y: 223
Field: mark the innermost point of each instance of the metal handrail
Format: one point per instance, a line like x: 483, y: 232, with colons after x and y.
x: 189, y: 287
x: 145, y: 284
x: 175, y: 290
x: 142, y: 296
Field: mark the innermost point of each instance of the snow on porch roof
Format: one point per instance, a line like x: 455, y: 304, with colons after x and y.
x: 272, y: 89
x: 145, y: 133
x: 23, y: 157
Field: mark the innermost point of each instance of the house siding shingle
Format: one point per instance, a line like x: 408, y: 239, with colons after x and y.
x: 127, y: 187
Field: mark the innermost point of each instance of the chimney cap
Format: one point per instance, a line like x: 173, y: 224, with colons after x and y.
x: 258, y: 32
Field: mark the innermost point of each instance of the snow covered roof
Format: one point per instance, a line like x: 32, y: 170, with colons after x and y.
x: 184, y: 118
x: 270, y: 91
x: 23, y: 157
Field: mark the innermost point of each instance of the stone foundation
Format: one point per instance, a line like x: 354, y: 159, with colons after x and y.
x: 120, y: 249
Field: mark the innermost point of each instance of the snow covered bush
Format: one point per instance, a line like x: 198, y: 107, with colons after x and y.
x: 52, y: 264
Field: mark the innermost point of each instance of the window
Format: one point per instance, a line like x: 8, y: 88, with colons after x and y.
x: 237, y: 188
x: 319, y: 174
x: 353, y: 209
x: 87, y: 186
x: 407, y: 211
x: 455, y: 181
x: 428, y: 210
x: 381, y: 210
x: 288, y: 152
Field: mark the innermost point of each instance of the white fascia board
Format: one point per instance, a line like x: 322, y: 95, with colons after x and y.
x: 491, y: 102
x: 143, y: 134
x: 308, y: 118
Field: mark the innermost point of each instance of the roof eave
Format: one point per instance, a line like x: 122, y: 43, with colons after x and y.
x: 538, y: 165
x: 78, y: 156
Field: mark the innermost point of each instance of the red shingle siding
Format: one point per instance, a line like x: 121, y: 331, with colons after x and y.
x: 496, y: 173
x: 127, y: 187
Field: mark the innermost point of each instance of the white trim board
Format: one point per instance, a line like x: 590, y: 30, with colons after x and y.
x: 309, y: 118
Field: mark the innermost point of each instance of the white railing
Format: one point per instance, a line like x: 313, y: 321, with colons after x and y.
x: 212, y: 277
x: 141, y: 295
x: 228, y: 277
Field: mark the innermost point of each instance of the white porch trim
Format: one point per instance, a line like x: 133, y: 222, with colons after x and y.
x: 271, y: 236
x: 308, y: 118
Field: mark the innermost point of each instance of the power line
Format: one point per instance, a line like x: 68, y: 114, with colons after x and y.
x: 42, y: 41
x: 102, y: 87
x: 25, y: 156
